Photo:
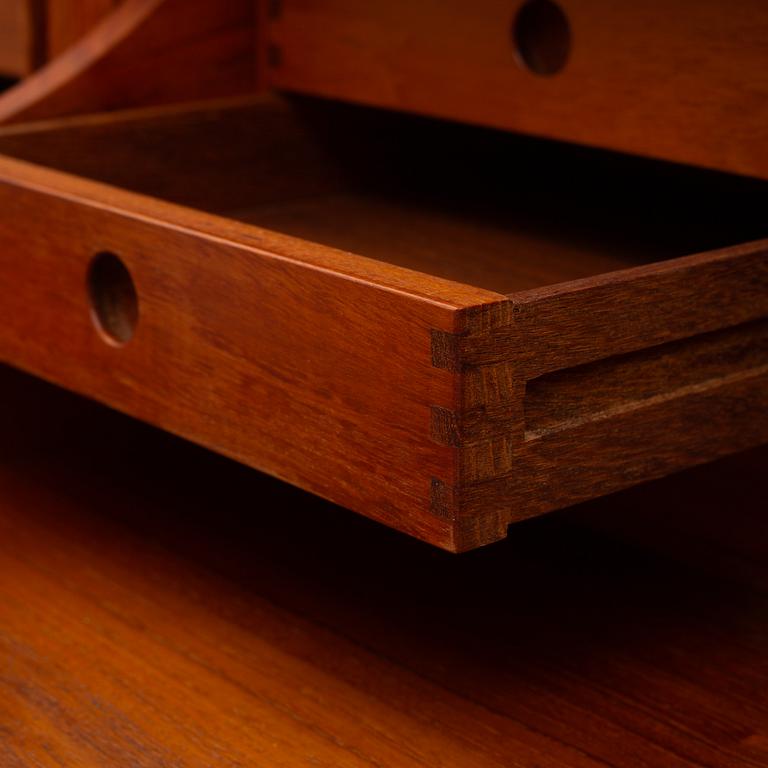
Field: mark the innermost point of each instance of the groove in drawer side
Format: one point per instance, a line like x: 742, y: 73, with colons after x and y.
x: 568, y: 398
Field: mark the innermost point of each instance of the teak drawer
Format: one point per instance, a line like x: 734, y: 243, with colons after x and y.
x: 522, y: 330
x: 685, y: 80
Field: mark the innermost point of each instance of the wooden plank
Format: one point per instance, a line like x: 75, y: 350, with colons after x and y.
x: 149, y: 616
x: 685, y: 81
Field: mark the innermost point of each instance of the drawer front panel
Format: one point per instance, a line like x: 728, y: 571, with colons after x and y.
x: 320, y: 379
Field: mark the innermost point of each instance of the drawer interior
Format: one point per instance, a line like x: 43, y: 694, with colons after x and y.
x: 487, y: 208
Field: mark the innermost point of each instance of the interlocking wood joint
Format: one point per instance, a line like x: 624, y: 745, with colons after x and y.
x: 485, y: 423
x: 532, y: 422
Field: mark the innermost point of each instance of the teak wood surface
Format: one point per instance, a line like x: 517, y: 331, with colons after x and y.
x: 161, y: 606
x: 566, y: 357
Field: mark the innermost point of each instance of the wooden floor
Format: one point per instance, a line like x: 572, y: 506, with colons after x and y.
x: 160, y: 606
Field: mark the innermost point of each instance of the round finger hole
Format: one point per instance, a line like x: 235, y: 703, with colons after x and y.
x: 542, y: 37
x: 114, y: 303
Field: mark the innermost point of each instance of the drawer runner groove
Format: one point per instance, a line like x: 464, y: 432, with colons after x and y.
x: 567, y: 398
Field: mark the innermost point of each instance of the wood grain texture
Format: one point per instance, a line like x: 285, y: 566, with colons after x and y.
x: 159, y: 606
x: 685, y: 81
x: 145, y: 52
x: 439, y: 407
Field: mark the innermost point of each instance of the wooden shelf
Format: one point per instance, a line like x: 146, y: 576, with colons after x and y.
x: 445, y: 328
x: 161, y: 604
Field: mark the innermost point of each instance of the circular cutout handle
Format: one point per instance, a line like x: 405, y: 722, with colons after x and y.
x: 541, y: 35
x: 113, y: 297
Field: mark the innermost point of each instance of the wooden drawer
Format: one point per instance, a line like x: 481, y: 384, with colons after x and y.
x: 442, y: 327
x: 684, y: 81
